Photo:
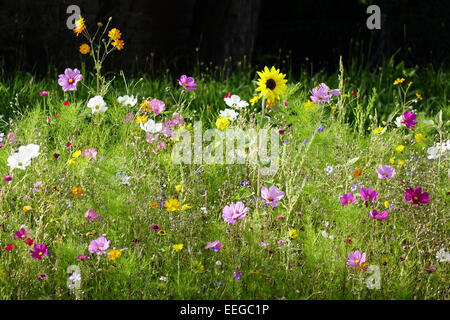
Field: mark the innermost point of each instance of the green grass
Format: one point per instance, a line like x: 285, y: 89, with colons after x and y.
x: 403, y: 246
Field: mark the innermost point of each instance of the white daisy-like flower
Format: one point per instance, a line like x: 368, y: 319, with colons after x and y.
x: 32, y: 150
x: 235, y: 102
x: 162, y: 278
x: 443, y: 255
x: 123, y: 178
x: 229, y: 114
x: 398, y: 121
x: 19, y: 160
x: 439, y: 150
x: 151, y: 126
x: 127, y: 100
x: 97, y: 104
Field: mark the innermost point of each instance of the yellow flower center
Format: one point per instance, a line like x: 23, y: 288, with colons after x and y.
x: 70, y: 80
x: 270, y: 199
x: 97, y: 107
x: 40, y: 253
x: 20, y: 163
x: 356, y: 261
x: 100, y: 248
x: 416, y: 198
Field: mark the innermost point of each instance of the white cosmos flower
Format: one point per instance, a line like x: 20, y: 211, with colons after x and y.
x: 19, y: 160
x: 398, y: 121
x: 127, y: 100
x: 439, y: 150
x: 235, y: 102
x: 151, y: 126
x: 32, y: 150
x: 122, y: 178
x: 230, y: 114
x: 97, y: 104
x: 443, y: 255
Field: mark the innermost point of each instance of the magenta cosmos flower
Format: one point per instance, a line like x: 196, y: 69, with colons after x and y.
x: 272, y: 195
x: 234, y: 211
x: 416, y: 196
x: 215, y: 245
x: 40, y: 250
x: 368, y: 194
x: 68, y: 81
x: 99, y: 245
x: 409, y: 119
x: 187, y: 82
x: 356, y: 258
x: 347, y: 198
x: 91, y: 153
x: 323, y: 94
x: 91, y: 215
x: 385, y: 172
x: 22, y: 234
x: 43, y: 93
x: 378, y: 216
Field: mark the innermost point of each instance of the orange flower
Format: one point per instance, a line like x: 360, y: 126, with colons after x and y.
x: 114, y: 34
x: 119, y: 44
x: 154, y: 204
x: 80, y: 26
x: 357, y: 173
x: 84, y: 48
x: 77, y: 191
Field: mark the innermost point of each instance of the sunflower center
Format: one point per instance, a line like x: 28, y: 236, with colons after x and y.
x: 271, y: 84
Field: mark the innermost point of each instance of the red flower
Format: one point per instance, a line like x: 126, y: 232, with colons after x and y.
x: 56, y: 155
x: 227, y: 95
x: 9, y: 247
x: 68, y: 144
x: 55, y: 115
x: 353, y: 93
x: 29, y: 241
x: 66, y: 103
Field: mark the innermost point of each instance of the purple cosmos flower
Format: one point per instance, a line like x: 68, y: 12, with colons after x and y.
x: 7, y: 178
x: 272, y: 195
x: 347, y: 198
x: 356, y: 258
x: 368, y: 194
x: 237, y: 274
x: 68, y: 81
x: 81, y: 257
x: 91, y: 215
x: 11, y: 138
x: 99, y: 245
x: 91, y: 153
x: 280, y: 242
x: 378, y: 216
x: 151, y: 138
x: 187, y: 82
x: 409, y: 119
x: 234, y: 211
x: 215, y: 245
x: 42, y: 276
x: 157, y: 106
x: 21, y: 234
x: 43, y: 93
x: 416, y: 196
x: 40, y: 250
x: 156, y: 227
x: 385, y: 172
x: 323, y: 94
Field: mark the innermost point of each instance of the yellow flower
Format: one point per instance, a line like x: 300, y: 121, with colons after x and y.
x: 309, y: 106
x: 146, y: 106
x: 141, y: 119
x: 80, y: 26
x: 271, y: 83
x: 84, y: 48
x: 400, y: 148
x: 222, y: 123
x: 172, y: 205
x: 77, y: 191
x: 378, y: 130
x: 72, y: 161
x: 162, y: 232
x: 293, y: 233
x: 428, y: 224
x: 386, y: 205
x: 99, y: 24
x: 154, y: 204
x: 178, y: 187
x: 419, y: 96
x: 76, y: 154
x: 333, y: 107
x: 254, y: 271
x: 198, y: 267
x: 398, y: 80
x: 419, y: 138
x: 254, y: 100
x: 392, y: 160
x: 27, y: 208
x: 114, y: 34
x: 114, y: 254
x: 185, y: 207
x: 401, y: 162
x: 177, y: 247
x: 119, y: 44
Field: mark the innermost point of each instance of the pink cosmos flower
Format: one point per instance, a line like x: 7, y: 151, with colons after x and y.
x: 40, y: 250
x: 187, y: 82
x: 409, y: 119
x: 21, y: 234
x: 68, y: 81
x: 150, y: 138
x: 356, y: 258
x: 385, y: 172
x: 157, y: 106
x: 129, y: 117
x: 91, y: 215
x: 347, y: 198
x: 43, y: 93
x: 7, y: 178
x: 322, y: 93
x: 99, y: 245
x: 234, y: 211
x: 91, y: 153
x: 272, y: 195
x: 368, y: 194
x: 81, y: 257
x: 416, y: 196
x: 378, y: 216
x: 215, y: 245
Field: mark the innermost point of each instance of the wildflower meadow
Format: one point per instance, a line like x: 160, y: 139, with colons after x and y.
x: 207, y: 185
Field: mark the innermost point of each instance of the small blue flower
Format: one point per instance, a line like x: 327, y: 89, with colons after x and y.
x: 320, y: 129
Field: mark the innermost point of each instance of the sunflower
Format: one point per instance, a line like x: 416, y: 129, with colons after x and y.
x: 84, y: 48
x: 271, y: 83
x: 80, y: 26
x: 114, y: 34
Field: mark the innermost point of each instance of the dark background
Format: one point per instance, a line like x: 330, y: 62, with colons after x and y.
x: 165, y: 33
